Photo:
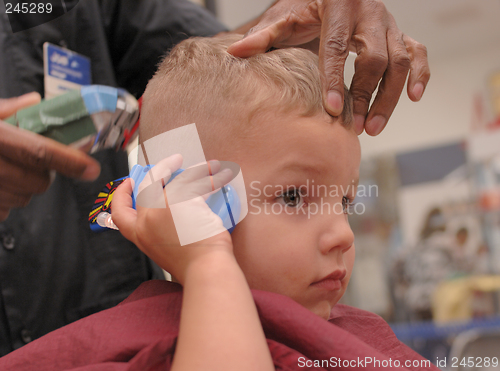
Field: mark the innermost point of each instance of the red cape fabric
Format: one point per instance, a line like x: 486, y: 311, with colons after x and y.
x: 140, y: 334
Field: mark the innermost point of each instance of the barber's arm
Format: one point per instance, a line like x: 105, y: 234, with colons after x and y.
x: 385, y: 54
x: 26, y: 159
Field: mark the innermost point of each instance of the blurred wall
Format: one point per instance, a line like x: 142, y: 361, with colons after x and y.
x: 234, y: 13
x: 445, y: 112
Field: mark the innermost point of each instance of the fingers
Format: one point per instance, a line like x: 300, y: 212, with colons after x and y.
x: 374, y: 63
x: 15, y: 178
x: 150, y: 192
x: 197, y: 182
x: 419, y: 69
x: 256, y: 42
x: 36, y: 152
x: 370, y: 64
x: 209, y: 184
x: 286, y: 23
x: 198, y: 171
x: 336, y: 31
x: 10, y: 199
x: 404, y: 54
x: 33, y: 151
x: 124, y: 216
x: 275, y: 30
x: 162, y: 170
x: 4, y: 213
x: 222, y: 178
x: 392, y: 83
x: 272, y: 28
x: 10, y: 106
x: 371, y: 30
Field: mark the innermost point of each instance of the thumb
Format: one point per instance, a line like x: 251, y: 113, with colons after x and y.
x: 10, y: 106
x: 34, y: 151
x: 124, y: 216
x: 258, y: 41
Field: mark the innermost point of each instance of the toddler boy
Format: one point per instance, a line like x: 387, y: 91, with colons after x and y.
x: 300, y: 167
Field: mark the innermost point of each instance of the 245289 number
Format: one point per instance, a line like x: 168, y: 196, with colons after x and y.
x: 474, y: 362
x: 28, y: 8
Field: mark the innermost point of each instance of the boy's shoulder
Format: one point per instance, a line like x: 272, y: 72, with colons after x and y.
x: 368, y: 326
x: 376, y: 332
x: 151, y: 289
x: 342, y: 310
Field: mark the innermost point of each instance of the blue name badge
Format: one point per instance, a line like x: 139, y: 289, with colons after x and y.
x: 64, y: 70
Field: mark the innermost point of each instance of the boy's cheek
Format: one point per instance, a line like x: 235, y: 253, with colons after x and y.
x: 247, y: 236
x: 349, y: 258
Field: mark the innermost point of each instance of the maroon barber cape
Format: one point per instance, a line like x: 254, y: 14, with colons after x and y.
x: 140, y: 334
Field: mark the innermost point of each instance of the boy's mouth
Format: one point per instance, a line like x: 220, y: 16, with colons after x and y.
x: 331, y: 282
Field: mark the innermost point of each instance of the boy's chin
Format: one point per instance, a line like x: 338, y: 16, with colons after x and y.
x: 323, y: 309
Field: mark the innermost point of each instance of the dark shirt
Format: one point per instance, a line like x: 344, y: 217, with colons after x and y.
x: 53, y: 269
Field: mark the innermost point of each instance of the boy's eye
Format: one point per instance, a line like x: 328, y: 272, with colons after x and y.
x: 292, y: 198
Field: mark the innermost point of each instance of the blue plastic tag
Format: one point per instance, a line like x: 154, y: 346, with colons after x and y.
x: 64, y: 70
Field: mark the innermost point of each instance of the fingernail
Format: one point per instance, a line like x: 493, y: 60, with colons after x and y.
x: 214, y: 165
x: 418, y: 90
x: 334, y: 102
x: 91, y: 172
x: 52, y: 175
x: 359, y: 123
x: 375, y: 125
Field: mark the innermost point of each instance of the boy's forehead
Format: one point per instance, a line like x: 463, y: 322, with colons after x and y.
x: 295, y: 143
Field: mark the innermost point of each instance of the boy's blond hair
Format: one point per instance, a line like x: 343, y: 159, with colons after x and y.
x: 200, y: 82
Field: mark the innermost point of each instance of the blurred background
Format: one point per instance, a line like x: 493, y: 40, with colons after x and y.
x: 428, y: 242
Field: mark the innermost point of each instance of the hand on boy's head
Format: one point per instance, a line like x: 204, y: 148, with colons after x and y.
x: 153, y: 229
x: 27, y: 158
x: 342, y: 25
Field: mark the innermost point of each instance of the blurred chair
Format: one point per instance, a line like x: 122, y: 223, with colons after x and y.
x: 478, y: 344
x: 458, y: 299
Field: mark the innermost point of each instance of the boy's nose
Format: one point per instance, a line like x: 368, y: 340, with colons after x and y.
x: 338, y: 235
